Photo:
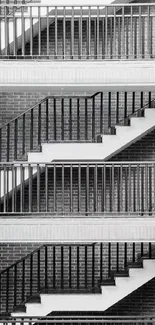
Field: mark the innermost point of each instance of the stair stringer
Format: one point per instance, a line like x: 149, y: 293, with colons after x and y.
x: 109, y: 296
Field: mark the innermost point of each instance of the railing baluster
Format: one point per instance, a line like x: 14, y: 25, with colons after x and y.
x: 31, y: 275
x: 38, y: 188
x: 109, y: 110
x: 72, y: 34
x: 70, y: 266
x: 133, y: 252
x: 23, y: 30
x: 142, y: 189
x: 141, y: 99
x: 70, y: 119
x: 86, y: 120
x: 14, y: 33
x: 23, y: 135
x: 150, y: 250
x: 38, y: 268
x: 113, y: 188
x: 101, y: 261
x: 146, y: 192
x: 119, y: 38
x: 150, y: 189
x: 85, y: 247
x: 142, y: 249
x: 109, y: 259
x: 89, y: 34
x: 80, y: 34
x: 6, y: 31
x: 131, y: 33
x: 13, y: 188
x: 15, y: 284
x: 46, y: 267
x: 47, y: 35
x: 133, y: 102
x: 129, y: 190
x: 123, y: 34
x: 78, y: 119
x: 8, y: 142
x: 0, y: 144
x: 54, y: 284
x: 140, y: 33
x: 47, y: 119
x: 79, y: 188
x: 23, y: 280
x: 127, y: 38
x: 138, y: 189
x: 21, y: 189
x: 87, y: 189
x: 121, y: 188
x: 62, y: 267
x: 63, y: 189
x: 104, y: 188
x: 101, y: 114
x: 39, y: 124
x: 148, y: 32
x: 125, y: 105
x: 15, y: 138
x: 78, y: 265
x: 106, y: 33
x: 46, y: 188
x: 30, y: 187
x: 95, y: 188
x: 31, y: 32
x: 5, y: 180
x: 31, y: 130
x: 103, y: 38
x: 125, y: 255
x: 93, y: 265
x: 64, y: 32
x: 114, y: 31
x: 55, y: 121
x: 135, y: 37
x: 7, y: 290
x: 98, y: 35
x: 56, y: 33
x: 54, y: 189
x: 117, y: 107
x: 93, y: 119
x: 117, y: 257
x: 62, y: 119
x: 71, y: 188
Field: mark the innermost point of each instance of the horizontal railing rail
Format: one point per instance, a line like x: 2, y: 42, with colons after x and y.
x: 116, y: 31
x: 78, y: 189
x: 67, y: 268
x: 69, y: 119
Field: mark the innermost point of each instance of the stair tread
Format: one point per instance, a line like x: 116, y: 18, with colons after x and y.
x: 19, y: 309
x: 72, y: 291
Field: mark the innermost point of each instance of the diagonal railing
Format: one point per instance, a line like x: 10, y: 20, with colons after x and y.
x: 67, y: 268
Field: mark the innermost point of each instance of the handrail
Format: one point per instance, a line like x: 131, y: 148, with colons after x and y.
x: 81, y: 5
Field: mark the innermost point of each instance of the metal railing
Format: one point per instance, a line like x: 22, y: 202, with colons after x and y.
x: 69, y: 119
x: 67, y: 268
x: 81, y: 188
x: 116, y: 31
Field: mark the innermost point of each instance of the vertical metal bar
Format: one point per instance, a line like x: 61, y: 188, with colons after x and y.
x: 56, y: 34
x: 21, y: 189
x: 104, y: 187
x: 142, y: 189
x: 14, y: 33
x: 150, y: 189
x: 79, y: 188
x: 7, y: 290
x: 23, y: 280
x: 121, y: 188
x: 101, y: 114
x: 117, y: 108
x: 146, y: 188
x: 48, y: 26
x: 131, y: 34
x: 31, y: 274
x: 93, y: 265
x: 101, y: 261
x: 133, y: 252
x: 30, y: 187
x: 23, y: 137
x: 85, y: 266
x: 150, y: 99
x: 117, y: 257
x: 78, y: 119
x: 93, y: 119
x: 6, y: 31
x: 87, y: 189
x: 106, y: 32
x: 148, y: 32
x: 70, y: 119
x: 113, y: 188
x: 71, y: 188
x: 114, y: 42
x: 135, y: 37
x: 123, y: 34
x: 15, y: 138
x: 129, y: 189
x: 38, y: 268
x: 142, y: 249
x: 80, y: 34
x: 64, y: 32
x: 103, y: 38
x: 38, y: 188
x: 109, y: 110
x: 47, y: 120
x: 127, y: 37
x: 150, y: 250
x: 0, y: 144
x: 62, y: 267
x: 140, y: 33
x: 54, y: 266
x: 125, y: 255
x: 138, y: 183
x: 5, y: 179
x: 95, y: 188
x: 62, y: 119
x: 72, y: 34
x: 63, y: 188
x: 55, y: 188
x: 133, y: 102
x: 109, y: 259
x: 55, y: 121
x: 78, y: 264
x: 8, y: 142
x: 98, y: 35
x: 31, y: 32
x: 13, y: 188
x: 31, y: 130
x: 39, y: 124
x: 46, y: 188
x: 125, y: 105
x: 86, y: 120
x: 46, y: 267
x: 141, y: 99
x: 70, y: 266
x: 23, y: 30
x: 89, y: 34
x: 15, y: 284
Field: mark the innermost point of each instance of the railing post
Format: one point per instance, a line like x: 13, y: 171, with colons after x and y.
x: 39, y: 124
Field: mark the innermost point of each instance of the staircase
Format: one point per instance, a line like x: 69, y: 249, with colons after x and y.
x: 107, y: 293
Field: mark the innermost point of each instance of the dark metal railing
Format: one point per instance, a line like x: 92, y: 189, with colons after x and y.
x: 116, y: 31
x: 67, y: 268
x: 81, y: 188
x: 69, y: 119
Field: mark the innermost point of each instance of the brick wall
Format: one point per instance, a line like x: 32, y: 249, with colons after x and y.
x: 12, y: 252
